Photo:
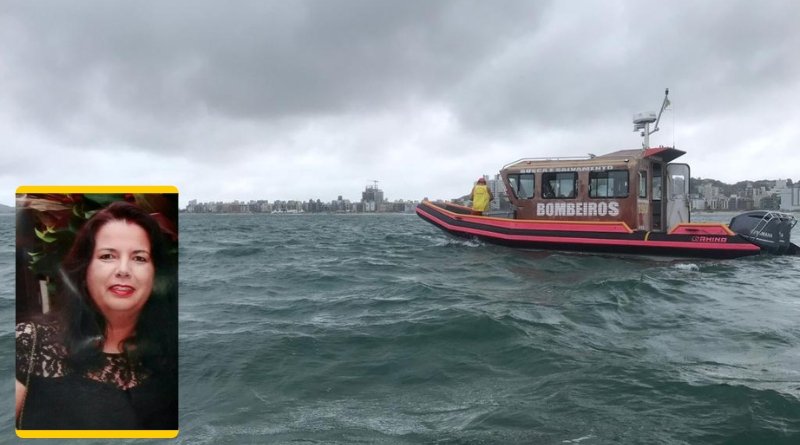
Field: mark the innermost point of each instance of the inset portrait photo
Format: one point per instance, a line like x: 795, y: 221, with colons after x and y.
x: 97, y: 312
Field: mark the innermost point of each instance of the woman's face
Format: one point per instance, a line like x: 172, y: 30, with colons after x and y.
x: 120, y: 274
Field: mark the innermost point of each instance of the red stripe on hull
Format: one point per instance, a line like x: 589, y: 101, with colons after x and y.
x: 611, y: 227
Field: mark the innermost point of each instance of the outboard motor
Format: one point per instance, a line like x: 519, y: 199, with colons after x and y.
x: 767, y: 229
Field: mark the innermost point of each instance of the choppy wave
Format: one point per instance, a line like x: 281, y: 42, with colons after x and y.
x: 382, y: 329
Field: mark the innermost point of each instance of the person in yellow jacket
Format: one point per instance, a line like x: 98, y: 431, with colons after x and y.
x: 481, y: 196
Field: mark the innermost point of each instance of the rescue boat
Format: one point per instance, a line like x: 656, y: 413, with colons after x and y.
x: 629, y: 201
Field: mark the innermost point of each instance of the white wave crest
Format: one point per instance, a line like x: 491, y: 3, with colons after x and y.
x: 686, y: 266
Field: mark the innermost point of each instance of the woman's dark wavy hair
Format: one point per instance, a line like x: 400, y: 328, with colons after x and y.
x: 154, y: 343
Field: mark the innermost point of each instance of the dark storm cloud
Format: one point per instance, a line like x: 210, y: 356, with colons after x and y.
x: 498, y: 65
x: 173, y: 61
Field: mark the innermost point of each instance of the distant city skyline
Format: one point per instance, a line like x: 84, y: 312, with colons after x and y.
x: 781, y: 194
x: 372, y: 201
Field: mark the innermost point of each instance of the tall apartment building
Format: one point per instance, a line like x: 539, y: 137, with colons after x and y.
x: 790, y: 195
x: 372, y: 198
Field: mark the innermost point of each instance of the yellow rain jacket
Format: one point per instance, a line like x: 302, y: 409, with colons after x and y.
x: 480, y: 198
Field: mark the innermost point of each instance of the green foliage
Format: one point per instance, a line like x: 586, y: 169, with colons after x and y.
x: 50, y: 223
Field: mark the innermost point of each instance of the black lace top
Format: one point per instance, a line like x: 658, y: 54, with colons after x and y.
x: 48, y: 360
x: 120, y: 395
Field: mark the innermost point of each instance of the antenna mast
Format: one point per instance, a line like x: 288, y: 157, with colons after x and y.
x: 642, y: 121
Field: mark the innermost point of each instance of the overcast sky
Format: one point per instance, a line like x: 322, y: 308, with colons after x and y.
x: 314, y: 99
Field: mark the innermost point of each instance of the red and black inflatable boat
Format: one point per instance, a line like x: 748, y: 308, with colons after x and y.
x: 697, y: 240
x: 628, y: 201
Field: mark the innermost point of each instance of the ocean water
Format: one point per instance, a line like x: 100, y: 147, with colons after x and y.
x: 339, y: 329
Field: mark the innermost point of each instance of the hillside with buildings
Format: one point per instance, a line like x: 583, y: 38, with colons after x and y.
x: 712, y: 195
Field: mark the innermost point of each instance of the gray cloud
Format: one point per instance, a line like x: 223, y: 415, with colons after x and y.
x: 176, y: 61
x: 220, y: 83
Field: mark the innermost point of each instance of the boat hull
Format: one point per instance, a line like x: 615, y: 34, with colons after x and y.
x: 687, y: 240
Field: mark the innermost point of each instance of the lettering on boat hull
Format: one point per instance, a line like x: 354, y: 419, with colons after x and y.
x: 578, y: 209
x: 709, y: 239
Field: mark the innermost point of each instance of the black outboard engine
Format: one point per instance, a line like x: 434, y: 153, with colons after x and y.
x: 767, y: 229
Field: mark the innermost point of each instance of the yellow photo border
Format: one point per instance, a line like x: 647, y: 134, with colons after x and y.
x: 97, y: 189
x: 97, y: 434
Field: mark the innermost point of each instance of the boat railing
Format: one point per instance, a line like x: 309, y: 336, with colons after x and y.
x: 769, y: 215
x: 562, y: 158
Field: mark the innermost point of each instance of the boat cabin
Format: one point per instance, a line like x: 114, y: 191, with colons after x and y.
x: 641, y: 187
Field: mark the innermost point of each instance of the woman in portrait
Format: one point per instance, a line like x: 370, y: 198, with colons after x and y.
x: 107, y: 357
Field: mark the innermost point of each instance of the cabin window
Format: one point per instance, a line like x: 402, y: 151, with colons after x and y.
x: 678, y: 184
x: 559, y: 185
x: 522, y: 185
x: 643, y: 184
x: 608, y: 184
